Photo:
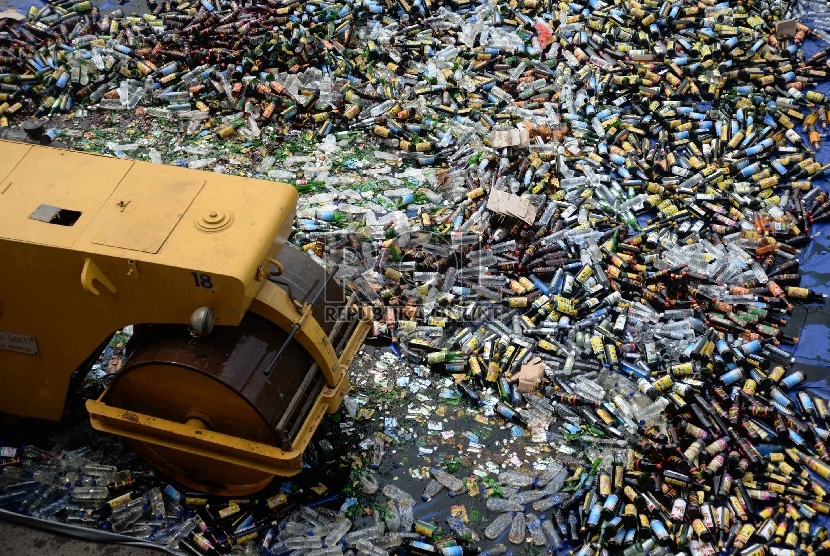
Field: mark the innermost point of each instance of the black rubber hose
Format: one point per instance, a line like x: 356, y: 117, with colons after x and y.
x: 83, y: 533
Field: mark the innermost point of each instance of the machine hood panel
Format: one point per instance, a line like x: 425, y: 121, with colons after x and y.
x: 145, y: 208
x: 40, y: 187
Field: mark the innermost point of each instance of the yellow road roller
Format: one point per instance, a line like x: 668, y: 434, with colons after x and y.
x: 241, y: 344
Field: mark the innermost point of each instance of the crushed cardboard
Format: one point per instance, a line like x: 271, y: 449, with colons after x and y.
x: 530, y: 375
x: 514, y: 137
x: 508, y: 204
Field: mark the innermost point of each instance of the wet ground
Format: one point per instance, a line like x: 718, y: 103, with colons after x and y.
x: 23, y: 541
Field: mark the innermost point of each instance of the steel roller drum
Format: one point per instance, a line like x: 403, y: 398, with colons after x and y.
x: 218, y: 383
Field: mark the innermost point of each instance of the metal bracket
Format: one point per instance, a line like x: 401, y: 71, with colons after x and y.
x: 298, y: 323
x: 264, y: 270
x: 90, y: 273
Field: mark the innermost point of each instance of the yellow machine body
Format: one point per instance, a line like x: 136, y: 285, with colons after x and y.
x: 90, y: 244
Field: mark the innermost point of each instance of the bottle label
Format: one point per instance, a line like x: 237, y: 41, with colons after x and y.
x: 798, y: 293
x: 683, y: 369
x: 817, y: 467
x: 119, y: 501
x: 708, y: 520
x: 506, y: 413
x: 201, y: 542
x: 718, y: 446
x: 229, y: 511
x: 793, y: 379
x: 731, y: 377
x: 492, y: 371
x: 172, y: 493
x: 695, y: 431
x: 699, y: 527
x: 659, y: 529
x: 452, y: 551
x: 693, y: 450
x: 245, y: 538
x: 423, y: 528
x: 663, y: 383
x: 678, y: 509
x: 776, y: 373
x: 604, y: 484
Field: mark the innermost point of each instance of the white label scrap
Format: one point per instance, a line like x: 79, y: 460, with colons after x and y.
x: 20, y: 343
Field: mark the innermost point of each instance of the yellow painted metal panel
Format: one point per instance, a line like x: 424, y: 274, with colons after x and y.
x: 60, y: 178
x: 12, y: 154
x: 145, y: 208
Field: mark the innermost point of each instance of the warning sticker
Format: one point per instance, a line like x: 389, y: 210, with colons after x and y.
x: 21, y: 343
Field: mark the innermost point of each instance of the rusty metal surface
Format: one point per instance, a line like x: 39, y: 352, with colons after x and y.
x: 302, y: 278
x: 232, y: 356
x: 337, y: 314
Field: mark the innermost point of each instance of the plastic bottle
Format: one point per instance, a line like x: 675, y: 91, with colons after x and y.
x: 517, y: 529
x: 460, y: 528
x: 516, y: 479
x: 368, y: 484
x: 376, y: 453
x: 125, y: 519
x: 52, y: 508
x: 555, y: 484
x: 549, y: 474
x: 98, y: 469
x: 391, y: 540
x: 138, y: 530
x: 453, y: 484
x: 330, y: 551
x: 534, y: 526
x: 313, y: 516
x: 366, y: 533
x: 156, y: 501
x: 431, y: 490
x: 552, y: 535
x: 84, y: 521
x: 498, y: 525
x: 304, y: 542
x: 365, y: 547
x: 341, y: 528
x: 527, y: 496
x: 183, y: 531
x: 405, y: 507
x: 395, y: 493
x: 393, y: 517
x: 89, y: 493
x: 503, y: 505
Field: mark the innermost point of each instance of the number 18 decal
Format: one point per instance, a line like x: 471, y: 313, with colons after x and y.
x: 202, y: 280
